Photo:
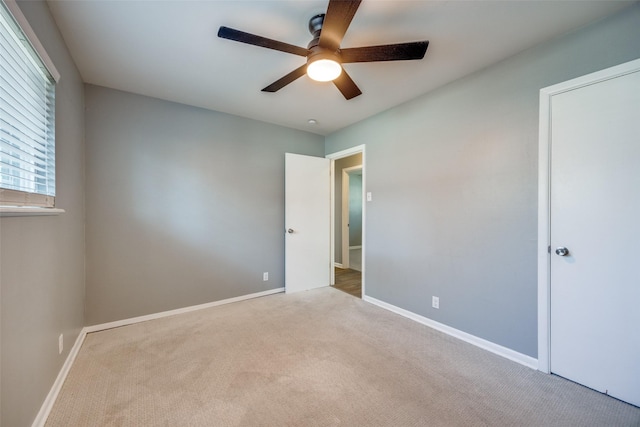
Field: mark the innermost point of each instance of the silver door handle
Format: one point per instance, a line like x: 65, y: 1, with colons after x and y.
x: 290, y: 231
x: 562, y: 251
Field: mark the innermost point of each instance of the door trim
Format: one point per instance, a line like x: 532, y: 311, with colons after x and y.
x: 333, y: 157
x: 544, y: 212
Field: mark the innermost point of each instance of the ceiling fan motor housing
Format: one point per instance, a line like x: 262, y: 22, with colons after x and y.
x: 318, y: 52
x: 315, y: 51
x: 315, y: 27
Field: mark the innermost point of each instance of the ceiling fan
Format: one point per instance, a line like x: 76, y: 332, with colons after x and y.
x: 323, y: 53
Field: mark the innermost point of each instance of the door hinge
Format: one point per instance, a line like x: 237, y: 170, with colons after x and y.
x: 548, y: 249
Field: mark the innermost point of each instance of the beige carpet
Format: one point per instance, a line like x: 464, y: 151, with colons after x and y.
x: 317, y: 358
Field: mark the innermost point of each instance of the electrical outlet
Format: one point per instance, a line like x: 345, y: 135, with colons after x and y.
x: 435, y: 302
x: 60, y: 343
x: 265, y: 276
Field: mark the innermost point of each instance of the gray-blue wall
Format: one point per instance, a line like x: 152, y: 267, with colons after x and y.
x: 42, y: 258
x: 454, y: 180
x: 184, y: 206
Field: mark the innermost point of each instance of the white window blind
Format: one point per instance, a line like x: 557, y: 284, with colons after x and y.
x: 27, y: 118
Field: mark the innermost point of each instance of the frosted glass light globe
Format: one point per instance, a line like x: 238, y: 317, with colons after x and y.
x: 324, y: 70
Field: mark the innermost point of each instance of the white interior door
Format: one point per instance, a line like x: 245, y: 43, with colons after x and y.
x: 307, y: 222
x: 595, y: 215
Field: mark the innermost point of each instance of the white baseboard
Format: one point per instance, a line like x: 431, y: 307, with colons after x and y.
x: 43, y: 414
x: 337, y: 264
x: 130, y: 321
x: 505, y: 352
x: 46, y: 407
x: 355, y: 247
x: 41, y: 418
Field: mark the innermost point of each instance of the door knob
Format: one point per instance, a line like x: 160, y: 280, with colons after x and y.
x: 562, y: 251
x: 290, y: 231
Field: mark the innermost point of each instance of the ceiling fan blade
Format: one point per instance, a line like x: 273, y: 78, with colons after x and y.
x: 242, y: 37
x: 346, y: 85
x: 388, y: 52
x: 282, y: 82
x: 336, y: 21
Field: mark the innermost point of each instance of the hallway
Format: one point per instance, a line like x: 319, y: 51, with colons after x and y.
x: 349, y: 281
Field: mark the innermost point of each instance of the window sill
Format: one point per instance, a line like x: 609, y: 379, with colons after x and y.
x: 28, y: 211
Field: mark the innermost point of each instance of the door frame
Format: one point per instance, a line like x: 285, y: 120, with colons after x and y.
x: 544, y: 193
x: 333, y: 157
x: 346, y: 209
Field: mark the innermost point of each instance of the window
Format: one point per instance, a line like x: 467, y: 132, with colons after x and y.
x: 27, y: 114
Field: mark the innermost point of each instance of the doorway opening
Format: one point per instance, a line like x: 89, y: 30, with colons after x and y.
x: 347, y: 224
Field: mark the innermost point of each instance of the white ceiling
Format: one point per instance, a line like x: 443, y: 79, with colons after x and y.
x: 168, y: 49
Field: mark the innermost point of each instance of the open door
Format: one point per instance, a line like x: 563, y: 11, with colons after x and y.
x: 307, y: 222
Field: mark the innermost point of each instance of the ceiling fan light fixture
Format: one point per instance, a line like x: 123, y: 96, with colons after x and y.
x: 324, y: 54
x: 324, y: 70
